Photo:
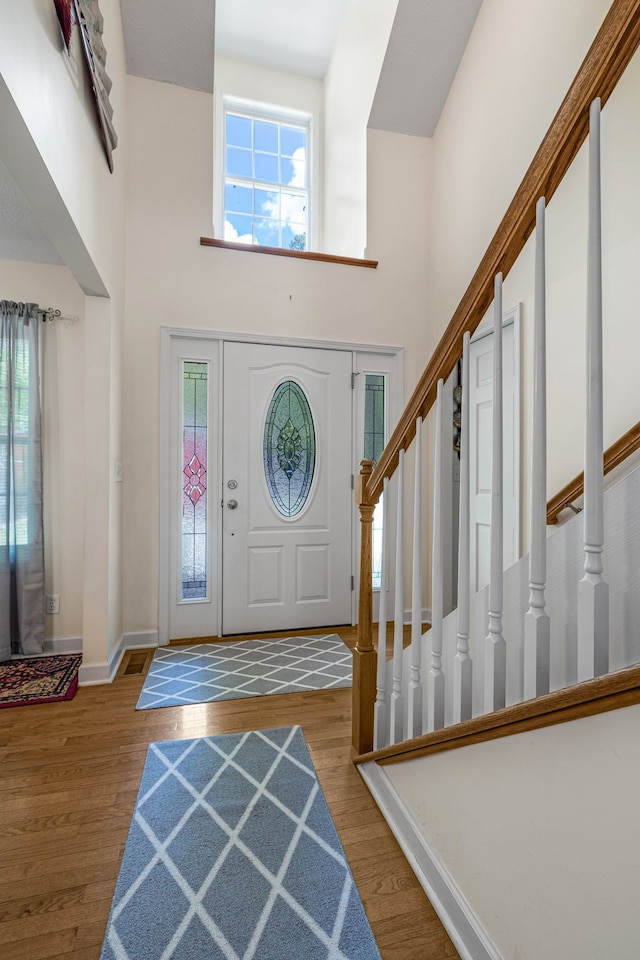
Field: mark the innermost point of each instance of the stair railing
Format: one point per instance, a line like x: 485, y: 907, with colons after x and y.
x: 604, y: 64
x: 616, y: 454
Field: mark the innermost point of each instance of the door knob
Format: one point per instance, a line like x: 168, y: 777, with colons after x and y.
x: 232, y: 504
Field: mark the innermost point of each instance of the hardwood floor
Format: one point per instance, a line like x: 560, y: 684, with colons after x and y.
x: 70, y: 775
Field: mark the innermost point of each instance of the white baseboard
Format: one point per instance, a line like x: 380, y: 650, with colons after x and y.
x: 56, y: 645
x: 469, y: 938
x: 92, y: 674
x: 139, y: 638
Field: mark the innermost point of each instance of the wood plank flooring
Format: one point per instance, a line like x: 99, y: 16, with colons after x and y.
x: 69, y: 779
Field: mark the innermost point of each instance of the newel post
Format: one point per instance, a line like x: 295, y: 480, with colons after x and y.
x: 364, y: 656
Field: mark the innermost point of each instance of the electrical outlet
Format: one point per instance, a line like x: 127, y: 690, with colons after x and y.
x: 53, y: 603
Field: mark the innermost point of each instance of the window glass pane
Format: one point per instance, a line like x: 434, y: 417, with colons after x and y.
x: 238, y: 199
x: 14, y: 476
x: 267, y: 233
x: 292, y: 139
x: 266, y: 167
x: 294, y: 207
x: 374, y: 441
x: 289, y: 448
x: 238, y: 228
x: 239, y: 163
x: 194, y: 480
x: 376, y: 544
x: 373, y: 416
x: 267, y: 202
x: 238, y: 131
x: 293, y: 172
x: 294, y: 236
x: 299, y: 241
x: 266, y: 136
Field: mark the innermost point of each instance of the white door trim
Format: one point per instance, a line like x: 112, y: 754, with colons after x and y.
x: 167, y: 336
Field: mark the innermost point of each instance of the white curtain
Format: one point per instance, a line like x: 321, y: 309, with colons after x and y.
x: 22, y: 600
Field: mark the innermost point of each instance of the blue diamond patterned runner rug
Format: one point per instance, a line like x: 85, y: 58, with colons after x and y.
x: 246, y: 668
x: 232, y: 855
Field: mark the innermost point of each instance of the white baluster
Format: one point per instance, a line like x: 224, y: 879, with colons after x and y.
x: 536, y: 620
x: 415, y: 694
x: 593, y: 592
x: 435, y: 683
x: 380, y: 710
x: 495, y: 655
x: 396, y: 732
x: 462, y: 666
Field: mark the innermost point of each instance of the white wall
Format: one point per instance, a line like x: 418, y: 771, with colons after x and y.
x: 49, y: 97
x: 516, y: 69
x: 173, y: 281
x: 52, y: 148
x: 539, y: 832
x: 350, y: 85
x: 499, y: 108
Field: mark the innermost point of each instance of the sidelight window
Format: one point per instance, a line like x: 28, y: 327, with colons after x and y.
x: 194, y: 479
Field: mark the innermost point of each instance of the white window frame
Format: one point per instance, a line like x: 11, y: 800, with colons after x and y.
x: 277, y: 114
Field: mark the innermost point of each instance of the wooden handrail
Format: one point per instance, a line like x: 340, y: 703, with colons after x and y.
x: 604, y: 64
x: 613, y: 457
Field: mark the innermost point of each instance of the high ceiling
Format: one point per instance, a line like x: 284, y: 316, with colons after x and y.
x: 425, y: 48
x: 173, y: 42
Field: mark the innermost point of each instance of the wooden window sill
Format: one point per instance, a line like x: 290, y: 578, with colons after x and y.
x: 281, y: 252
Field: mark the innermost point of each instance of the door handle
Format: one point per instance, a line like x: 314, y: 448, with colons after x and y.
x: 232, y: 504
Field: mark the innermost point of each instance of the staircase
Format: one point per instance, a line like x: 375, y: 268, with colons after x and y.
x: 415, y: 702
x: 555, y: 637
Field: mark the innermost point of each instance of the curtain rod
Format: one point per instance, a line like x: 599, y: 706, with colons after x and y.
x: 50, y: 313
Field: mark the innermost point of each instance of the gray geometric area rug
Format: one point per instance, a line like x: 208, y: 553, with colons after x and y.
x: 232, y: 855
x: 246, y: 668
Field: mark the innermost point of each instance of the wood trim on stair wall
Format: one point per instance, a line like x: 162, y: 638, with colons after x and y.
x: 610, y: 692
x: 604, y: 64
x: 613, y: 457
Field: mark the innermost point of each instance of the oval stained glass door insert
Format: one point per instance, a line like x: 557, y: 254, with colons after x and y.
x: 289, y: 448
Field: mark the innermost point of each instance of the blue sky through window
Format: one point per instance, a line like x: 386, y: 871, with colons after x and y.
x: 266, y: 189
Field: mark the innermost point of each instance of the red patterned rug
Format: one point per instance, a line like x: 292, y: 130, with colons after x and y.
x: 39, y: 680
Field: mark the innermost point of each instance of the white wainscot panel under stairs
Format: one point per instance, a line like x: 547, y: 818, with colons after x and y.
x: 527, y: 846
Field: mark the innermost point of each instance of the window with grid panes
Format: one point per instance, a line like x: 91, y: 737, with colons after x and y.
x: 266, y: 178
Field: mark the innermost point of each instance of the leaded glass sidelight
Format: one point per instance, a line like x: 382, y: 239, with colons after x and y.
x: 194, y: 480
x: 373, y: 416
x: 289, y: 448
x: 374, y: 440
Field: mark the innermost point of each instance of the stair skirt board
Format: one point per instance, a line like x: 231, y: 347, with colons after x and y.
x: 458, y: 919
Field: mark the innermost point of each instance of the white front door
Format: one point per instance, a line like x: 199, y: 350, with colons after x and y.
x: 286, y: 487
x: 480, y: 448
